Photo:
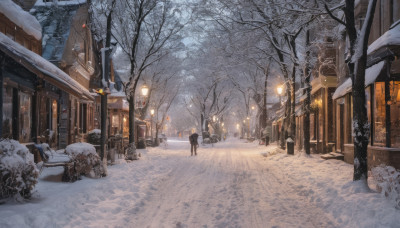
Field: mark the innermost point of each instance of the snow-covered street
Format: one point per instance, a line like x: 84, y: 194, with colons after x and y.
x: 233, y: 184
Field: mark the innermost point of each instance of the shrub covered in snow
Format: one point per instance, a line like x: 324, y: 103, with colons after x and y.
x: 94, y: 136
x: 18, y: 172
x: 388, y: 182
x: 86, y: 159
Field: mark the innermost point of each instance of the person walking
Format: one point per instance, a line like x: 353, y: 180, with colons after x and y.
x: 193, y: 143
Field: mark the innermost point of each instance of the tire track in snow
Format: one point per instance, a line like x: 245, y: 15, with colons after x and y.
x: 226, y: 186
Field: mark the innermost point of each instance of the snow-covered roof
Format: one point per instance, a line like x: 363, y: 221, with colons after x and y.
x: 23, y: 19
x: 37, y: 62
x: 391, y: 37
x: 56, y: 22
x: 60, y: 3
x: 370, y: 76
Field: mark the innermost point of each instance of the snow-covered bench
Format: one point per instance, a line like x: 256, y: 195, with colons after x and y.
x: 51, y: 158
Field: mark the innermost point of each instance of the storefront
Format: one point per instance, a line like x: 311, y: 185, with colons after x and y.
x: 382, y: 94
x: 40, y: 102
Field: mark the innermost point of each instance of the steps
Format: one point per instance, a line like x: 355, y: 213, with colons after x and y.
x: 333, y: 155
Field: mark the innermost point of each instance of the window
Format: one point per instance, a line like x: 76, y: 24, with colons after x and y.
x: 115, y: 120
x: 395, y: 114
x: 379, y: 114
x: 312, y: 127
x: 25, y: 117
x: 125, y: 126
x: 54, y: 122
x: 7, y: 112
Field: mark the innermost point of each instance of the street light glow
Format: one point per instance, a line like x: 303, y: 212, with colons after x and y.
x: 279, y: 89
x: 145, y: 90
x: 152, y: 112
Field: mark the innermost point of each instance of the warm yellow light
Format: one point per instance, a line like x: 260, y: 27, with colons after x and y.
x: 279, y: 89
x: 222, y: 124
x: 145, y: 90
x: 248, y: 118
x: 237, y: 126
x: 124, y: 119
x: 252, y: 107
x: 152, y: 112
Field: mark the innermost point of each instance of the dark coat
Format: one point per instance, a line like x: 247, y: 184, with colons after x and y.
x: 193, y: 139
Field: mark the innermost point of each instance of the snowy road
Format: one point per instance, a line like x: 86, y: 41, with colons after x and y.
x: 229, y: 185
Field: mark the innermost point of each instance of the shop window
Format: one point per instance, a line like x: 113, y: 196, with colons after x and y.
x: 312, y: 126
x: 25, y: 117
x: 115, y: 120
x: 7, y: 112
x: 395, y: 113
x: 379, y: 114
x: 368, y: 102
x: 54, y: 121
x: 126, y: 126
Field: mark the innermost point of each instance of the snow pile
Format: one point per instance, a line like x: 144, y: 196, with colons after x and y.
x: 87, y: 161
x: 21, y: 18
x: 18, y: 172
x: 94, y: 136
x: 388, y: 182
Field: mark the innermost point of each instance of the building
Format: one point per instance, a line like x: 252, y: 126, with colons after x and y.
x: 27, y: 79
x: 67, y: 43
x: 382, y: 88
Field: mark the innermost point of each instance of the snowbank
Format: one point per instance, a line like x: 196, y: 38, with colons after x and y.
x: 18, y: 172
x: 21, y: 18
x: 80, y: 148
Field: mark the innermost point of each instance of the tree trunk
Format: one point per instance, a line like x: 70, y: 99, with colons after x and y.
x: 132, y: 119
x: 307, y: 101
x: 360, y: 116
x: 293, y: 105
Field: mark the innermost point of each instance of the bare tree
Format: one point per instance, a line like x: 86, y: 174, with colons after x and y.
x: 357, y: 62
x: 144, y: 30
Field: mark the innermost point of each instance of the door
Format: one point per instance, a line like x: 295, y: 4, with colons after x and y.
x: 341, y: 127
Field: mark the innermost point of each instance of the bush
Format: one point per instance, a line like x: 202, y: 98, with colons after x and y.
x: 388, y: 182
x: 94, y: 137
x: 18, y: 172
x: 85, y: 160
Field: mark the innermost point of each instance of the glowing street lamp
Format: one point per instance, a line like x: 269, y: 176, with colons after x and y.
x: 151, y: 123
x: 279, y: 90
x: 145, y: 90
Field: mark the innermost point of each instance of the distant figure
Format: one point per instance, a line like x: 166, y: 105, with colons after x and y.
x: 193, y: 143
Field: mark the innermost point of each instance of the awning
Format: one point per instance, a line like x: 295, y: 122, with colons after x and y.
x: 43, y: 68
x: 370, y: 77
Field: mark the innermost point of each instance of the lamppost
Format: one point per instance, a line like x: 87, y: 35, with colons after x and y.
x: 248, y: 127
x: 279, y: 90
x: 151, y: 124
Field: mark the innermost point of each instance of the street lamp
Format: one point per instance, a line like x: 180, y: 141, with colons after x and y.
x: 151, y: 124
x: 145, y: 90
x: 279, y: 89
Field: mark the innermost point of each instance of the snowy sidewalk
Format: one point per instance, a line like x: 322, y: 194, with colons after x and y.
x: 233, y: 184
